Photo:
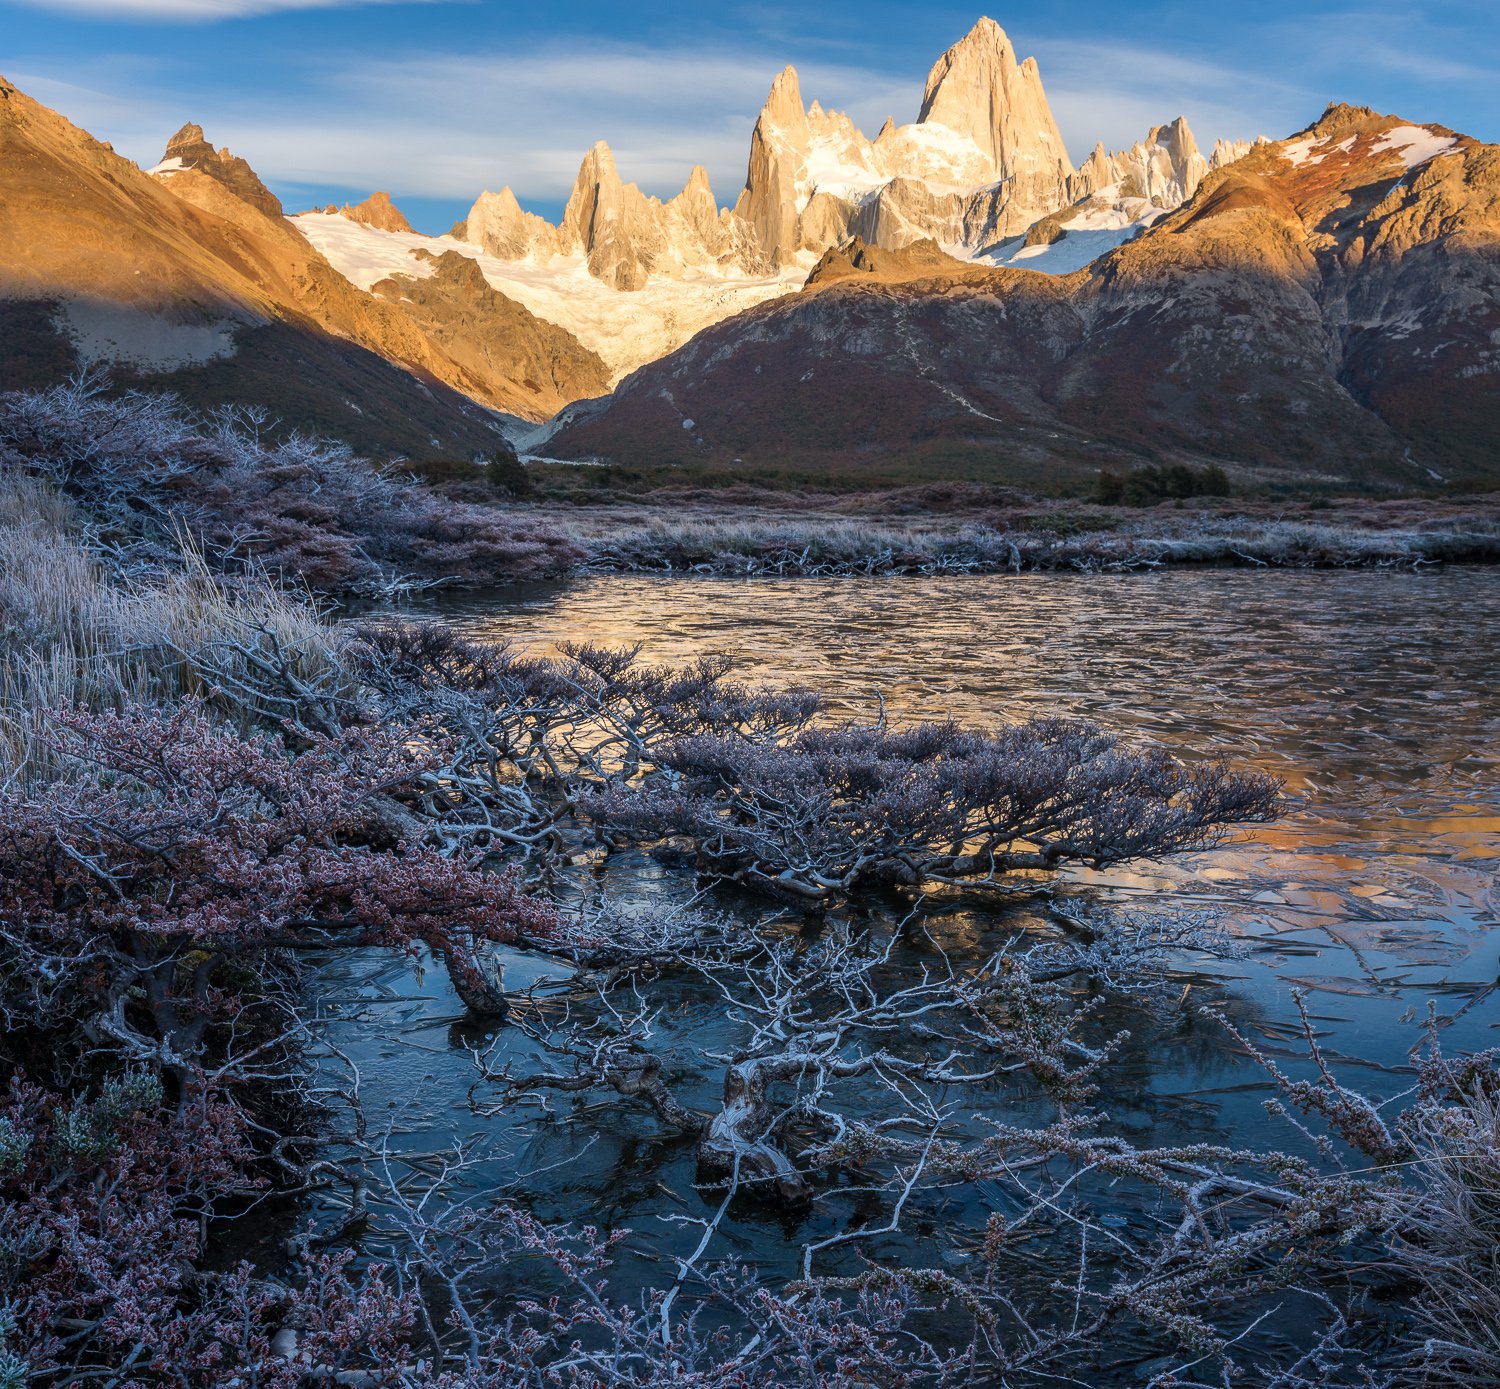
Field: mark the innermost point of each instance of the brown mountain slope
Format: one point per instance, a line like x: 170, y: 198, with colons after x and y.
x: 180, y: 282
x: 455, y: 326
x: 528, y: 367
x: 1327, y: 306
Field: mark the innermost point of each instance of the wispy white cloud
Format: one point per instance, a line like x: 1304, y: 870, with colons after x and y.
x: 197, y: 11
x: 445, y: 125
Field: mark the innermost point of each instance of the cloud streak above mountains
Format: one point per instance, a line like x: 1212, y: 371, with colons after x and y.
x: 198, y: 11
x: 435, y: 103
x: 442, y: 125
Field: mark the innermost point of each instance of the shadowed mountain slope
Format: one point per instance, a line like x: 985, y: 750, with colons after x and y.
x: 190, y: 281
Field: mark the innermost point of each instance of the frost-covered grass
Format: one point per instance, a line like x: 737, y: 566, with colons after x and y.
x: 149, y: 476
x: 75, y: 634
x: 831, y: 545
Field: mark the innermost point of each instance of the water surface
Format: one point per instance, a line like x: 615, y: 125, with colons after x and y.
x: 1374, y: 695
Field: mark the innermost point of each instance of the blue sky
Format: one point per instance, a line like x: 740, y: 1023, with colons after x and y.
x: 435, y: 100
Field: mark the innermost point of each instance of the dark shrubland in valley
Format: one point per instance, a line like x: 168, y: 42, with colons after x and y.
x: 204, y: 783
x: 1147, y: 486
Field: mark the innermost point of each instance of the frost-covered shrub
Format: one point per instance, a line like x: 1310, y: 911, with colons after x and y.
x: 833, y: 809
x: 151, y: 895
x: 146, y: 473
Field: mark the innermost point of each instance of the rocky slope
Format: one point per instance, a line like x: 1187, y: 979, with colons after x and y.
x: 189, y: 150
x: 1328, y: 305
x: 179, y: 281
x: 492, y: 337
x: 460, y: 330
x: 190, y: 278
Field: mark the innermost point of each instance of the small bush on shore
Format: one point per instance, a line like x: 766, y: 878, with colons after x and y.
x: 1171, y: 482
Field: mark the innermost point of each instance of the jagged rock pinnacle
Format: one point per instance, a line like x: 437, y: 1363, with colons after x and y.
x: 978, y: 89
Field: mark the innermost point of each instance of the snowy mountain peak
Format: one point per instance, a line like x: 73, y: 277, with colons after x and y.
x: 982, y: 165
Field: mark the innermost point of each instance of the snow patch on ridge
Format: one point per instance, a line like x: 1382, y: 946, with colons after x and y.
x: 1299, y: 152
x: 1093, y: 232
x: 1073, y: 251
x: 827, y: 171
x: 1415, y: 144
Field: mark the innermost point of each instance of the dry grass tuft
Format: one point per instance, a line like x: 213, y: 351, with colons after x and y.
x: 1450, y: 1243
x: 73, y: 634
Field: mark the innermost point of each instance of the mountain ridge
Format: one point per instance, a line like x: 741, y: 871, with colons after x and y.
x: 1326, y: 307
x: 1320, y: 307
x: 182, y: 277
x: 982, y: 162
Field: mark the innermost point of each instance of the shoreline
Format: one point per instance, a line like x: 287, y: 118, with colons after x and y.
x: 846, y: 550
x: 973, y: 529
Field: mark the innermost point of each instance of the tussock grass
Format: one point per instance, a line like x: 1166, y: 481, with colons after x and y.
x: 1450, y: 1244
x: 76, y: 634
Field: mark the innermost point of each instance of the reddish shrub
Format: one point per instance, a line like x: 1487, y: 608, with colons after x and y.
x: 187, y: 837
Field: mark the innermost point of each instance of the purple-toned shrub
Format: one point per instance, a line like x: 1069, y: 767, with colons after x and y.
x: 833, y: 809
x: 145, y: 899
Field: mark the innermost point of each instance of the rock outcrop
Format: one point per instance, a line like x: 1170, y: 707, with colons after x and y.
x: 978, y: 89
x: 1326, y: 306
x: 613, y: 222
x: 377, y: 211
x: 499, y: 226
x: 1163, y: 170
x: 189, y: 150
x: 771, y: 201
x: 624, y: 236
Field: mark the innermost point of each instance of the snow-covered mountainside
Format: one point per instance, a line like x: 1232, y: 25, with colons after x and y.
x: 982, y: 171
x: 625, y: 329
